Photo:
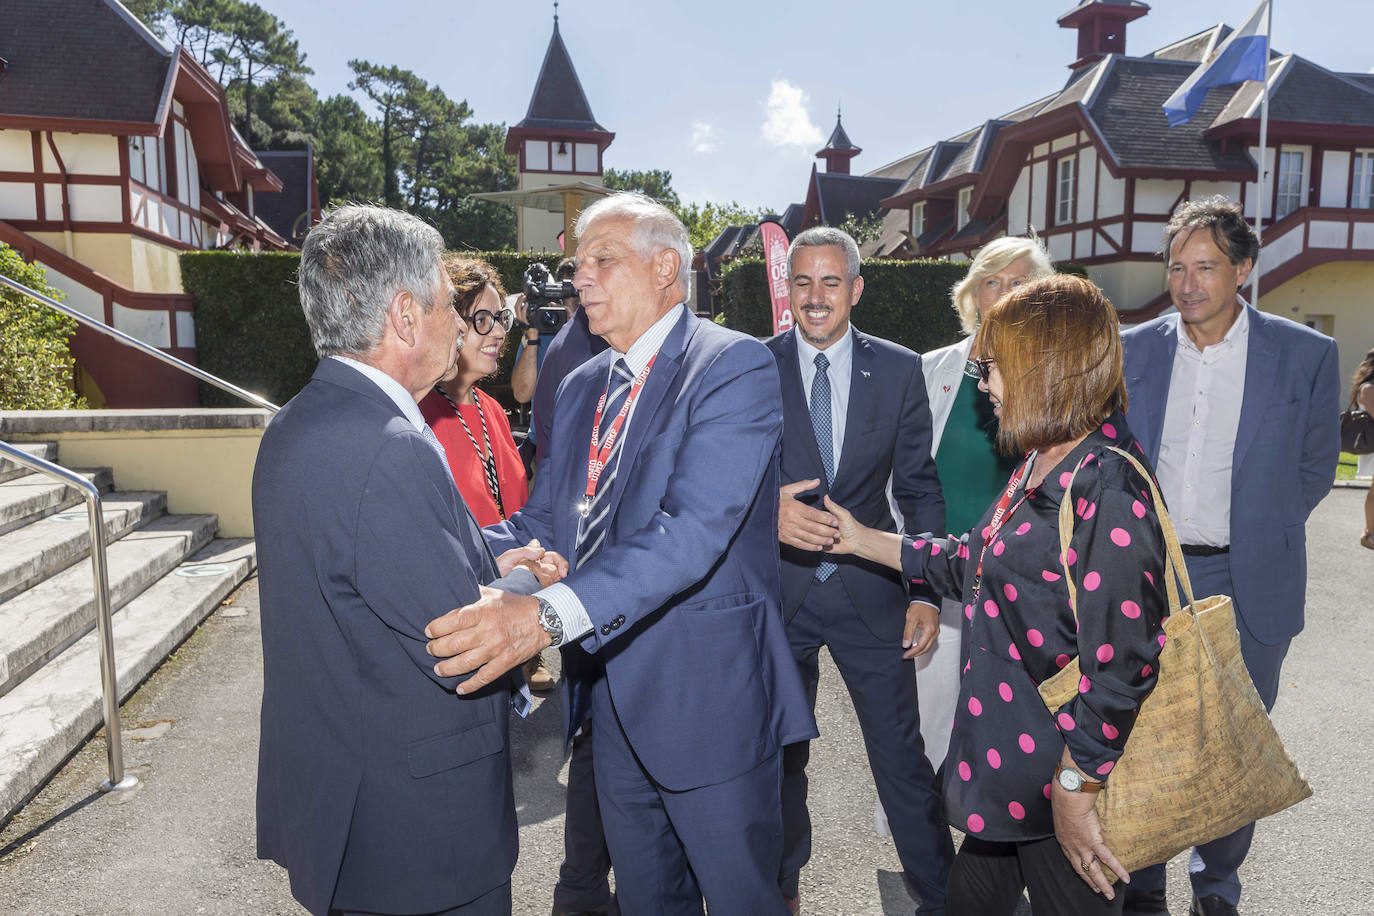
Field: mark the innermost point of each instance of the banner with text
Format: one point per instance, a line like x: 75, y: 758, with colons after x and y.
x: 774, y: 239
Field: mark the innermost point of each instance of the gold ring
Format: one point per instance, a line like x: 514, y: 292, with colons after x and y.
x: 1088, y: 863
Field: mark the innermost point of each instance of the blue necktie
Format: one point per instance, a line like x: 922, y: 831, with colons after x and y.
x: 822, y: 423
x: 591, y: 530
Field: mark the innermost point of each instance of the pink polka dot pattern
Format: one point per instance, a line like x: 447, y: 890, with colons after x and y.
x: 1109, y: 430
x: 1016, y: 810
x: 990, y: 608
x: 975, y: 823
x: 1106, y: 768
x: 1022, y: 528
x: 975, y: 707
x: 1049, y: 576
x: 1010, y: 591
x: 1066, y: 722
x: 934, y: 549
x: 962, y: 553
x: 968, y: 611
x: 1109, y: 731
x: 918, y: 544
x: 1084, y: 685
x: 994, y: 758
x: 965, y: 771
x: 1027, y: 743
x: 1014, y: 652
x: 1130, y: 609
x: 1147, y: 671
x: 1061, y: 660
x: 1046, y: 791
x: 1071, y: 559
x: 1065, y: 479
x: 1004, y: 691
x: 1149, y: 578
x: 1035, y: 637
x: 998, y: 549
x: 1138, y: 509
x: 1162, y: 640
x: 1121, y: 537
x: 1105, y: 653
x: 1091, y: 581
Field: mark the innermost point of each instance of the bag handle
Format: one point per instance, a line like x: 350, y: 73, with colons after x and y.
x: 1174, y: 567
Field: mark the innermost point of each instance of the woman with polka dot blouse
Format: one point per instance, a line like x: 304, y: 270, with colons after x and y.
x: 1019, y: 782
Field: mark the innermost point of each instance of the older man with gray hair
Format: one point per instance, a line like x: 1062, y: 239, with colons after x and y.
x: 664, y: 499
x: 378, y: 789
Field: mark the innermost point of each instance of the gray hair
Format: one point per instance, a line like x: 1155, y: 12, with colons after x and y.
x: 824, y: 237
x: 996, y: 256
x: 353, y: 263
x: 655, y: 228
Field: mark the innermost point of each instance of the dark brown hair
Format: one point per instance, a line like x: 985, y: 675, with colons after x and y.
x: 470, y: 277
x: 1057, y: 345
x: 1364, y: 372
x: 1223, y: 218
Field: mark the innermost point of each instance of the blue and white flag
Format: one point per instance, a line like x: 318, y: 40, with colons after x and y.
x: 1242, y: 56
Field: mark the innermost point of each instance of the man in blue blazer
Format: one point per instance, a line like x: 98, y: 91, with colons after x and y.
x: 1238, y: 411
x: 662, y: 494
x: 856, y: 416
x: 378, y: 789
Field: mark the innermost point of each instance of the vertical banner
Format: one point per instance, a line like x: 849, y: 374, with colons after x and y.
x: 775, y: 261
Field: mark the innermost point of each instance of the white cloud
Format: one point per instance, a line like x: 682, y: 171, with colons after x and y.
x: 705, y: 137
x: 787, y: 123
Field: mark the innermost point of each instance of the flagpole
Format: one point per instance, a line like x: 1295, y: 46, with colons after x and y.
x: 1263, y: 156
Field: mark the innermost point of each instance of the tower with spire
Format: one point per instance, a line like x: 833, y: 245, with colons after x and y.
x: 558, y: 143
x: 838, y: 150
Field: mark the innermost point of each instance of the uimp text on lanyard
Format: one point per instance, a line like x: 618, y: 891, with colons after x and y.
x: 1000, y: 515
x: 600, y: 449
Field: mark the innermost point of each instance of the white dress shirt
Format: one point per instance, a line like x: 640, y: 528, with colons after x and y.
x: 1201, y: 416
x: 571, y: 612
x: 841, y: 356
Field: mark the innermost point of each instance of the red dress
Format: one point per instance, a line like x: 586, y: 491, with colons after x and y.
x: 466, y: 461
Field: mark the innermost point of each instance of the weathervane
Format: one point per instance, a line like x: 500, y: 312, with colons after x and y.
x: 555, y: 12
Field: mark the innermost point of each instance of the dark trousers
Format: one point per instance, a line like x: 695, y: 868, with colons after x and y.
x: 670, y: 849
x: 495, y: 902
x: 1214, y: 866
x: 987, y: 880
x: 883, y: 690
x: 582, y: 883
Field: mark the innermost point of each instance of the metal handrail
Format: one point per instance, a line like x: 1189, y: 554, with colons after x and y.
x: 109, y: 687
x: 137, y: 344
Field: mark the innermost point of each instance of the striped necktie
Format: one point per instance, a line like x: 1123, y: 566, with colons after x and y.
x: 591, y: 530
x: 823, y: 424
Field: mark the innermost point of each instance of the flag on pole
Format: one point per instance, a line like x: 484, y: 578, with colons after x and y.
x: 775, y: 259
x: 1243, y: 56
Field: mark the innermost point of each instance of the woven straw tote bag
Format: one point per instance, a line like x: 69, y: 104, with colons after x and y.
x: 1203, y: 759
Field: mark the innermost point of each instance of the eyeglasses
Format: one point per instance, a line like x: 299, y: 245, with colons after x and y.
x: 482, y: 321
x: 979, y: 368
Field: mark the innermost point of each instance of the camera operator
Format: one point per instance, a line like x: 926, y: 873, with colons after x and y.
x: 541, y: 318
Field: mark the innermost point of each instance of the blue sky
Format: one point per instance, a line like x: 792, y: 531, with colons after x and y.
x: 735, y: 98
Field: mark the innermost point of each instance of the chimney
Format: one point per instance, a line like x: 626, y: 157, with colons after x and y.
x: 1101, y: 26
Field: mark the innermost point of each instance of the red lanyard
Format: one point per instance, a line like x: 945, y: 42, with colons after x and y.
x: 1000, y: 515
x: 600, y: 450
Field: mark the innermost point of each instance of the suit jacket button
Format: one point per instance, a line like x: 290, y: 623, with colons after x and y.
x: 619, y: 619
x: 605, y: 629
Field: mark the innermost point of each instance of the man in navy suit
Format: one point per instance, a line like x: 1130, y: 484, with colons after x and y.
x: 662, y: 494
x: 378, y: 789
x: 856, y: 416
x: 1238, y: 409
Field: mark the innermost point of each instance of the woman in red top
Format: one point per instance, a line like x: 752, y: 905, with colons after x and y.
x: 469, y: 423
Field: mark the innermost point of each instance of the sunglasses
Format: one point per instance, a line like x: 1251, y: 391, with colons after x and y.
x: 979, y: 368
x: 482, y: 321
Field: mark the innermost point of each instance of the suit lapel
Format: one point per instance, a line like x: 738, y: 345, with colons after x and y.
x: 796, y: 414
x: 1261, y: 356
x: 1156, y: 369
x: 862, y: 402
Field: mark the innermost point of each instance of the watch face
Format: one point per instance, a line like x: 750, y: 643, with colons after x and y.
x: 1070, y: 780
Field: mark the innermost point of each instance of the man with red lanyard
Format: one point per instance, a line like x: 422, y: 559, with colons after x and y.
x: 669, y: 523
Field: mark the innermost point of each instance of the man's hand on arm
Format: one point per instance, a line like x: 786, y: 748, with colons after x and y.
x: 489, y: 637
x: 799, y: 525
x: 922, y: 629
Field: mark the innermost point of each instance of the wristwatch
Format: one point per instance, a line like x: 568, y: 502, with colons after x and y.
x: 551, y: 622
x: 1070, y: 780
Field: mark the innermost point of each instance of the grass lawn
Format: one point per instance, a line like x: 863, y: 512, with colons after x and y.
x: 1346, y: 469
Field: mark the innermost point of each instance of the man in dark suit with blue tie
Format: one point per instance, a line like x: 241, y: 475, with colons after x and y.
x: 1238, y: 410
x: 856, y: 417
x: 378, y: 789
x: 664, y: 501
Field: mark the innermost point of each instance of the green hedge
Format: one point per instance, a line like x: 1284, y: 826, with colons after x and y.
x: 903, y: 301
x: 250, y: 329
x: 36, y: 366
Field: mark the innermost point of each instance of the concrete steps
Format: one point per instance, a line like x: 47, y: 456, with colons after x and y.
x: 11, y: 469
x: 166, y: 574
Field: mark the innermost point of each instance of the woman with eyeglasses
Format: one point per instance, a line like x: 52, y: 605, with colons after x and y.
x: 1019, y: 782
x: 468, y: 422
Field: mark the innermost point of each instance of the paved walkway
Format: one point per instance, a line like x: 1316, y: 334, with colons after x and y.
x: 181, y: 843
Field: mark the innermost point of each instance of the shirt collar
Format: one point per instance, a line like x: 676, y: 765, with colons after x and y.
x: 1237, y: 334
x: 643, y: 349
x: 391, y: 388
x: 837, y: 352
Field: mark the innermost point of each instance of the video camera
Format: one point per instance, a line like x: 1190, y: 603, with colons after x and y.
x: 544, y: 299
